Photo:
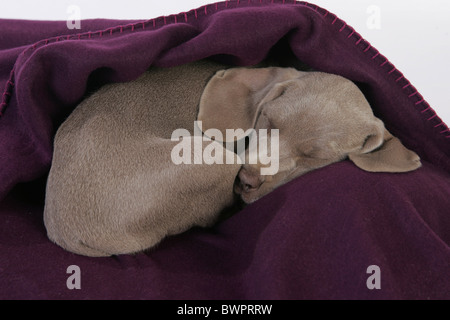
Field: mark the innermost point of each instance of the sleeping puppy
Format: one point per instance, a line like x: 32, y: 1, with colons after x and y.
x: 321, y: 119
x: 114, y: 188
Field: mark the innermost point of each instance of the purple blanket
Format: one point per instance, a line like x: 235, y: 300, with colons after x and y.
x: 317, y: 237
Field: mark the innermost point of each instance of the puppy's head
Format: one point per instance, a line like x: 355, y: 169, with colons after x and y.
x: 321, y: 119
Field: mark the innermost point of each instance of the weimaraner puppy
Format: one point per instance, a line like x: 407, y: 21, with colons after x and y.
x: 114, y: 188
x: 322, y: 118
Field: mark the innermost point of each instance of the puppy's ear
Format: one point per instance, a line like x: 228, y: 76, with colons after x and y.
x: 382, y: 152
x: 233, y: 97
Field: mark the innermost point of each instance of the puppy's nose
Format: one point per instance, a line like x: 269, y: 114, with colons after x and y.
x: 248, y: 181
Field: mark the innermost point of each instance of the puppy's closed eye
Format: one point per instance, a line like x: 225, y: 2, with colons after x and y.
x: 276, y: 92
x: 306, y: 155
x: 281, y: 92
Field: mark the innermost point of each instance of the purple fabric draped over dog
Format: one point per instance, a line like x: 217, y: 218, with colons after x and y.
x: 313, y: 238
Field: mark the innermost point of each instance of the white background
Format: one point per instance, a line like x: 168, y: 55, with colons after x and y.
x: 412, y: 34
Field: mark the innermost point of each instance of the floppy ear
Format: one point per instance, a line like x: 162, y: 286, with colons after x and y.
x: 382, y: 152
x: 233, y: 97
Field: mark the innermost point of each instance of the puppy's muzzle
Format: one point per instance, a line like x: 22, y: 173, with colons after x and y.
x: 248, y: 180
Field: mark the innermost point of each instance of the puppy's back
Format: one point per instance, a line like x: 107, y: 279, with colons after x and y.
x: 112, y: 187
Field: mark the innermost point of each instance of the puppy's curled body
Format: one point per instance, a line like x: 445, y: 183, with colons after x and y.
x: 113, y: 188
